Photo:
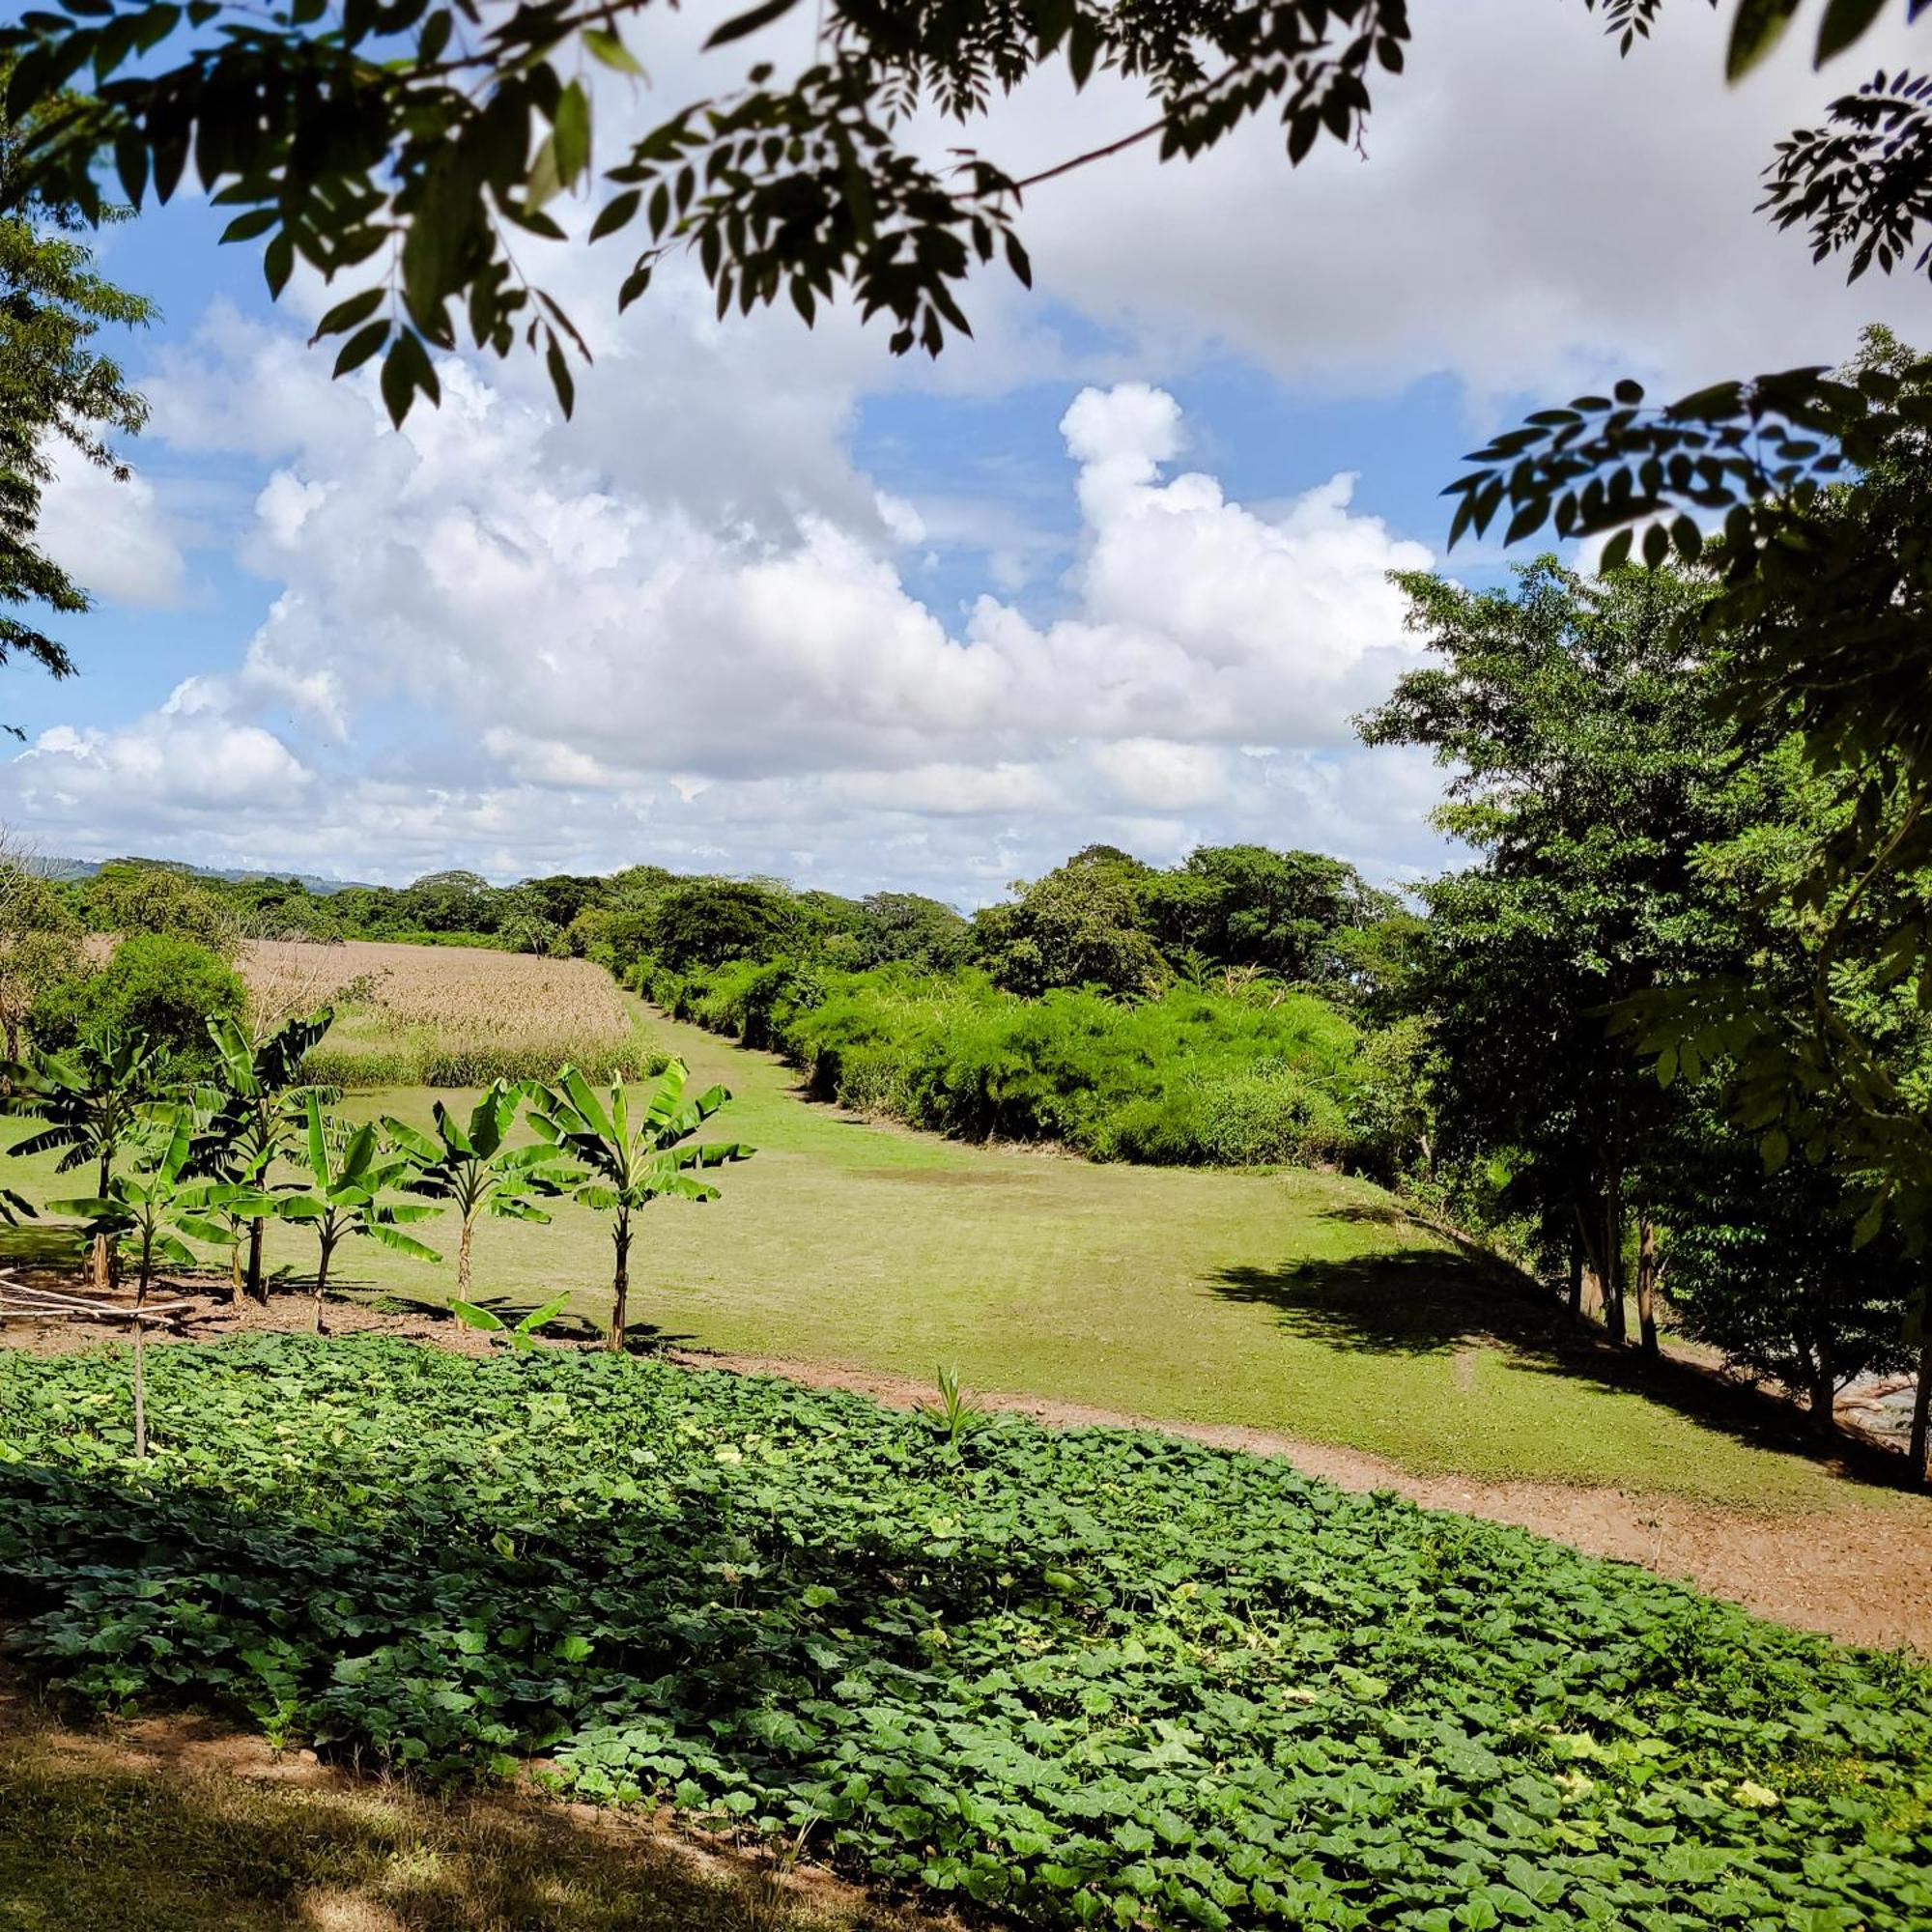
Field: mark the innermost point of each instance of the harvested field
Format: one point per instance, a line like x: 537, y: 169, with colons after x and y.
x: 447, y: 1017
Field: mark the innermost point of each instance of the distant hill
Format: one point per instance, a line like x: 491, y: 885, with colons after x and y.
x: 85, y: 868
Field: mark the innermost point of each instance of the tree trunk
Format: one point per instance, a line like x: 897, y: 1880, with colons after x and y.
x: 1646, y: 1284
x: 235, y: 1266
x: 1576, y: 1279
x: 1918, y: 1452
x: 620, y: 1282
x: 257, y: 1287
x: 462, y: 1260
x: 1824, y: 1391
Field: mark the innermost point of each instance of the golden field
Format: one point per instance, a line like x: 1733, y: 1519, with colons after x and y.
x: 446, y: 1015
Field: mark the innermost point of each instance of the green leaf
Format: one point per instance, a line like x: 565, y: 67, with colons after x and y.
x: 606, y: 47
x: 737, y: 28
x: 1845, y: 22
x: 1756, y: 28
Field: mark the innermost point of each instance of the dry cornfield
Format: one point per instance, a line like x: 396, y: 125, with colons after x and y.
x: 446, y: 1015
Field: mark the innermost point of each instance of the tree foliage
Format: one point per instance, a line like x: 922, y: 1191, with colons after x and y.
x: 58, y: 388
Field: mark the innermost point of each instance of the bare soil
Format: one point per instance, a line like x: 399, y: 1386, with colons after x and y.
x: 1863, y: 1575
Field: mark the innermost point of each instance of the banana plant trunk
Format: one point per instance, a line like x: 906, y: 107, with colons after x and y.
x: 620, y: 1282
x: 257, y: 1287
x: 325, y: 1251
x: 462, y: 1260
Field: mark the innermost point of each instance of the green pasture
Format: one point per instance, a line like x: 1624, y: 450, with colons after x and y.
x: 1301, y: 1302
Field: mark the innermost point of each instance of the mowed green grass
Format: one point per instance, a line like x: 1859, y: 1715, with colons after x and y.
x: 1305, y: 1303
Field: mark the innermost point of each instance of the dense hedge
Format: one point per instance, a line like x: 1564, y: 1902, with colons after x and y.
x: 1192, y: 1077
x: 1091, y: 1677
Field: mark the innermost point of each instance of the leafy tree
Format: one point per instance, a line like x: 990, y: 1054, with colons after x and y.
x: 56, y: 386
x: 255, y: 1106
x: 706, y: 921
x: 93, y: 1102
x: 151, y: 898
x: 401, y: 147
x: 168, y: 990
x: 1246, y: 905
x: 345, y: 1176
x: 470, y: 1165
x: 1079, y: 925
x: 1587, y: 765
x: 628, y: 1164
x: 40, y: 940
x: 909, y: 929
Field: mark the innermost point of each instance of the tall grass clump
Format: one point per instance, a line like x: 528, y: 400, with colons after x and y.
x: 1194, y: 1077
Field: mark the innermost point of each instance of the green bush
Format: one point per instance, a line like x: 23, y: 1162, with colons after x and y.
x: 1191, y: 1078
x: 166, y: 987
x: 1081, y: 1677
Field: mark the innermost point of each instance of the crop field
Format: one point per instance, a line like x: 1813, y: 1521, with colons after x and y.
x: 446, y: 1015
x: 1086, y: 1678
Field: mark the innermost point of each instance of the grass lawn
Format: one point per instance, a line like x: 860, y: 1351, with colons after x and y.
x: 1300, y: 1302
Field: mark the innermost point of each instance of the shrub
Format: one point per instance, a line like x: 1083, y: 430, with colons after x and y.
x: 164, y: 988
x: 1194, y: 1077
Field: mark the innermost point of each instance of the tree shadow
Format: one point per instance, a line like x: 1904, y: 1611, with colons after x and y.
x: 1422, y: 1302
x: 175, y: 1826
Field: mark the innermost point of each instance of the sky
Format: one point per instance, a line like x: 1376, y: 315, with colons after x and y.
x: 775, y: 602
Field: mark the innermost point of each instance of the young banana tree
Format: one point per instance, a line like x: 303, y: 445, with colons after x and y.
x: 629, y: 1163
x: 345, y: 1176
x: 255, y: 1108
x: 94, y: 1100
x: 153, y: 1211
x: 468, y: 1165
x: 151, y: 1214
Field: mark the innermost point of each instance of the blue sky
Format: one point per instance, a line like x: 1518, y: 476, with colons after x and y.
x: 777, y: 603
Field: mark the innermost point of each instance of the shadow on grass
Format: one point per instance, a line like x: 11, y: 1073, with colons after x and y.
x: 160, y: 1834
x: 641, y: 1338
x: 1421, y: 1302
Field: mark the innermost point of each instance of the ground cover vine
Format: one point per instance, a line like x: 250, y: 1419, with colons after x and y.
x: 1095, y: 1676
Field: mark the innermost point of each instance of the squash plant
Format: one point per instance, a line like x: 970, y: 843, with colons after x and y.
x: 629, y: 1163
x: 346, y: 1176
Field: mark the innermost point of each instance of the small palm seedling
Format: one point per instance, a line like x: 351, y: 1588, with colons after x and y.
x: 955, y: 1416
x: 256, y: 1108
x: 94, y: 1100
x: 346, y: 1178
x: 523, y: 1337
x: 629, y: 1164
x: 468, y: 1165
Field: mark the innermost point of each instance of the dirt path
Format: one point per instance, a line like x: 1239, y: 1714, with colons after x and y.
x: 1862, y: 1576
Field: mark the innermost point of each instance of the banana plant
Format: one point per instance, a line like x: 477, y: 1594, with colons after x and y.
x: 346, y: 1176
x: 94, y: 1100
x: 153, y: 1212
x: 254, y: 1111
x: 523, y: 1336
x: 468, y: 1165
x: 626, y: 1164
